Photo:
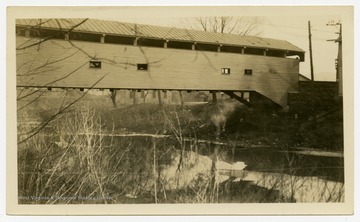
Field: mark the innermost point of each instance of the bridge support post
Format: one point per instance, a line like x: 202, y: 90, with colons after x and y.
x: 113, y: 97
x: 159, y: 97
x: 181, y: 99
x: 214, y: 96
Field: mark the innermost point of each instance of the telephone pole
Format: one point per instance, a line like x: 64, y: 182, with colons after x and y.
x: 338, y: 61
x: 311, y: 58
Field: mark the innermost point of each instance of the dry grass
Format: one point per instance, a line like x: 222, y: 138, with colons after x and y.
x: 74, y: 163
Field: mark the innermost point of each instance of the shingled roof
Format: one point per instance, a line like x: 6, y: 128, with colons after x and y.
x: 157, y: 32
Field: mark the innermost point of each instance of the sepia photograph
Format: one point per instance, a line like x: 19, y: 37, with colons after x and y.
x: 241, y: 107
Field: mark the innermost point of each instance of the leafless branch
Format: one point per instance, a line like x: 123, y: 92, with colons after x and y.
x: 47, y: 63
x: 36, y: 130
x: 50, y: 37
x: 224, y: 24
x: 54, y: 81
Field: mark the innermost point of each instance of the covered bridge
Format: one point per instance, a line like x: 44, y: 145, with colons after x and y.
x: 99, y: 54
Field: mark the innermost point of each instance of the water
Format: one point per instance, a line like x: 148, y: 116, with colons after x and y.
x: 276, y: 160
x: 273, y: 174
x: 297, y: 176
x: 293, y: 175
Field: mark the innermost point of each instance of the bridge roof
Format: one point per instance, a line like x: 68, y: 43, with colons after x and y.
x: 157, y: 32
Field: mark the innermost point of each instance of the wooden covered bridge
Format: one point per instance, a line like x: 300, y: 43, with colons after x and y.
x: 98, y: 54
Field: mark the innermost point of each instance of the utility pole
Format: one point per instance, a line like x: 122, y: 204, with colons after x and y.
x: 338, y: 61
x: 311, y: 58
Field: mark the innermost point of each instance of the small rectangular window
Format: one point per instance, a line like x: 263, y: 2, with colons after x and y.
x: 142, y: 66
x: 95, y: 64
x: 248, y: 71
x: 225, y: 71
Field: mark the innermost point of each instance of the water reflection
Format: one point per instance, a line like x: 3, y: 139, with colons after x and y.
x: 277, y: 160
x: 261, y: 175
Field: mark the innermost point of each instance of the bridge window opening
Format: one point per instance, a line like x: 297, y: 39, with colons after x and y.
x: 40, y: 33
x: 231, y: 49
x: 248, y: 72
x: 95, y: 64
x: 275, y: 53
x: 44, y: 33
x: 151, y: 42
x: 225, y: 71
x: 142, y: 66
x: 206, y: 47
x: 20, y: 31
x: 89, y: 37
x: 254, y: 51
x: 179, y: 45
x: 119, y: 40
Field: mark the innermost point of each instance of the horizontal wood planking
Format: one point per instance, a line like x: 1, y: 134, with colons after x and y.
x: 168, y: 68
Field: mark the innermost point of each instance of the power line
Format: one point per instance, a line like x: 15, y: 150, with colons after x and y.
x: 293, y: 27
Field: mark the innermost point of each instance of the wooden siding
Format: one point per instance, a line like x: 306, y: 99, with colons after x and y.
x: 168, y: 68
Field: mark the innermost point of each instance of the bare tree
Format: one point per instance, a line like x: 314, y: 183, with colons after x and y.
x: 232, y: 25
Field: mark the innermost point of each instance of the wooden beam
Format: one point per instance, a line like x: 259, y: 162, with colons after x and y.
x: 102, y: 40
x: 214, y: 96
x: 181, y: 98
x: 193, y: 46
x: 136, y: 41
x: 27, y: 33
x: 243, y: 50
x: 233, y: 95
